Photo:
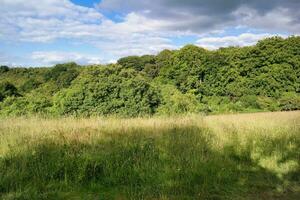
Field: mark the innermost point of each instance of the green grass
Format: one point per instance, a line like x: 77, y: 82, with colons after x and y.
x: 193, y: 157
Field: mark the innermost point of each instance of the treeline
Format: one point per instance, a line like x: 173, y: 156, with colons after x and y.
x: 264, y: 77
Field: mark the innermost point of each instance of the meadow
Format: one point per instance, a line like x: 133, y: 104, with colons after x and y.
x: 238, y: 156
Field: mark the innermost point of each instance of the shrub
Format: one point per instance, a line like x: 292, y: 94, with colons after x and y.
x: 4, y: 69
x: 29, y: 85
x: 109, y: 91
x: 62, y: 74
x: 136, y: 62
x: 289, y: 101
x: 249, y: 101
x: 175, y: 102
x: 27, y: 105
x: 7, y: 89
x: 267, y: 103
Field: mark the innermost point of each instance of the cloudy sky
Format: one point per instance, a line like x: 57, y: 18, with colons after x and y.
x: 46, y: 32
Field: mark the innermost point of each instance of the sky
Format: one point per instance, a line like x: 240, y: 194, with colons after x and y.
x: 47, y: 32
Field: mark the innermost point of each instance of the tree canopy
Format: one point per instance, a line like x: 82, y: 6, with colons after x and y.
x: 265, y: 77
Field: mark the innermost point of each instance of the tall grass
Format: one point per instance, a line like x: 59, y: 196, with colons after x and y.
x: 247, y: 156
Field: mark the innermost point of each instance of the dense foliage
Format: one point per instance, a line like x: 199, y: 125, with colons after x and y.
x: 235, y: 79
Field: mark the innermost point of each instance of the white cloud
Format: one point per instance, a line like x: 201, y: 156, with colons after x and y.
x: 45, y: 20
x: 200, y: 16
x: 54, y: 57
x: 49, y: 20
x: 245, y: 39
x: 145, y: 27
x: 279, y: 19
x: 11, y: 60
x: 53, y: 19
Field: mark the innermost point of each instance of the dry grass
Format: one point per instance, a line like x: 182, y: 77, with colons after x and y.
x: 267, y: 120
x: 245, y: 126
x: 228, y: 154
x: 87, y: 129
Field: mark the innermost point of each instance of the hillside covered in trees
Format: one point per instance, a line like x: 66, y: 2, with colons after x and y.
x: 264, y: 77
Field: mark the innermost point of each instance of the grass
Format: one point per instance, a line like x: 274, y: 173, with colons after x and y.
x: 245, y: 156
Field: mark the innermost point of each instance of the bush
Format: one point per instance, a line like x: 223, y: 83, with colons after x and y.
x: 27, y: 105
x: 249, y: 101
x: 14, y: 106
x: 62, y: 74
x: 136, y: 62
x: 108, y: 91
x: 289, y: 101
x: 7, y: 89
x: 151, y: 70
x: 175, y: 102
x: 4, y: 69
x: 190, y: 79
x: 29, y: 85
x: 267, y: 103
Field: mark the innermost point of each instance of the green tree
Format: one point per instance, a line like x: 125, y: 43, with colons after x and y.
x: 29, y: 85
x: 4, y: 69
x: 62, y: 74
x: 7, y: 89
x: 108, y: 91
x: 136, y: 62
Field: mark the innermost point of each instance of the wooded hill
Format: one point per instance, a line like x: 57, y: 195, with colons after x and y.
x: 264, y: 77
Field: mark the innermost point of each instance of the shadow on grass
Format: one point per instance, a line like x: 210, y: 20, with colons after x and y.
x: 177, y: 163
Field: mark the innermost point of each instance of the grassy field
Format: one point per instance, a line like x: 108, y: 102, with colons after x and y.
x: 245, y: 156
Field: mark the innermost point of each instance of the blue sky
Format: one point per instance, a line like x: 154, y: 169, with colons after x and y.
x: 94, y: 31
x: 87, y: 3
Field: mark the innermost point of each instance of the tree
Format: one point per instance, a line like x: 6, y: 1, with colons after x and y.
x: 108, y: 91
x: 265, y: 76
x: 290, y: 101
x: 136, y: 62
x: 62, y: 74
x: 7, y: 89
x: 4, y: 69
x: 29, y: 85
